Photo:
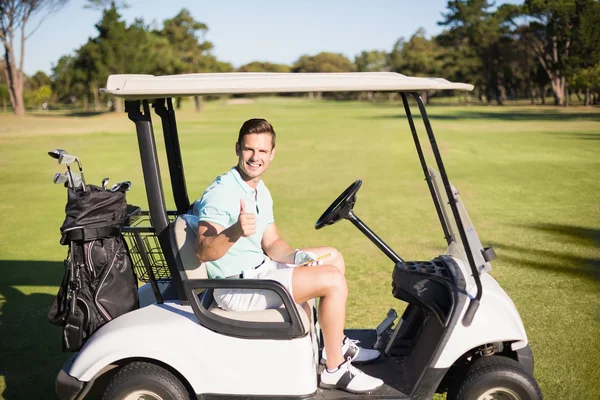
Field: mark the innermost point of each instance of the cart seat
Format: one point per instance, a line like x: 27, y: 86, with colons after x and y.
x: 189, y: 267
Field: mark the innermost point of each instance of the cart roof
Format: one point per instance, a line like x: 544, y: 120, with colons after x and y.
x: 136, y: 87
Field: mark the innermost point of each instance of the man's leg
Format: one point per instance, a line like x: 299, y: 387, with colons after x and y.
x: 328, y: 283
x: 336, y: 259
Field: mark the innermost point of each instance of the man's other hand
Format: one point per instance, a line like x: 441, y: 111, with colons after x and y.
x: 305, y: 257
x: 246, y: 221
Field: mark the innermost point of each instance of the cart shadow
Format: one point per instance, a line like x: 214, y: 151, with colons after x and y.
x: 30, y: 345
x: 555, y: 261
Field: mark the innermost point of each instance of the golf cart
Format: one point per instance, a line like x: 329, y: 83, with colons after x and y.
x: 460, y: 332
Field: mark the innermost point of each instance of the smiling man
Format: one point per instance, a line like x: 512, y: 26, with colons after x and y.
x: 238, y: 239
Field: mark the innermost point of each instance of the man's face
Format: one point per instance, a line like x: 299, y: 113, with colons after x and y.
x: 255, y: 154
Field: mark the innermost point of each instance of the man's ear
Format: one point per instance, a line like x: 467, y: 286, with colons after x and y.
x: 272, y: 154
x: 237, y: 149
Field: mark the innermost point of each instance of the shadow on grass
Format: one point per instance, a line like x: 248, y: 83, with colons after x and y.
x: 575, y: 135
x: 554, y: 261
x: 69, y: 114
x: 30, y: 345
x: 508, y: 115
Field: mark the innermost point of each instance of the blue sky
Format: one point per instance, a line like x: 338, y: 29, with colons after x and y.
x: 260, y: 30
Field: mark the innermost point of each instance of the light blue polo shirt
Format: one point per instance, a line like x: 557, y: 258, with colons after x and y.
x: 220, y: 204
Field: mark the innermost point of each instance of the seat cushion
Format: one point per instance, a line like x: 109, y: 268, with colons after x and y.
x: 271, y: 315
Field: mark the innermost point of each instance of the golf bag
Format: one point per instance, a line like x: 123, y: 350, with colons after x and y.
x: 99, y: 283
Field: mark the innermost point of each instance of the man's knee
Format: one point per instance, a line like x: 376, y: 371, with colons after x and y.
x: 333, y: 279
x: 337, y: 259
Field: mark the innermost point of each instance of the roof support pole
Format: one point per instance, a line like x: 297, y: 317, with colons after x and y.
x: 438, y: 208
x: 154, y: 189
x: 474, y: 304
x: 169, y: 125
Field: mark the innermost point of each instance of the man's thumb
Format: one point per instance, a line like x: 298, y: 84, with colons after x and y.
x: 242, y: 206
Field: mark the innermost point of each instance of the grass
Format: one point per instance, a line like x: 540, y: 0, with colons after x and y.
x: 528, y: 176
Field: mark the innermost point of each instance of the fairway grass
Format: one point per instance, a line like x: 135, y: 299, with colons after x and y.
x: 528, y: 177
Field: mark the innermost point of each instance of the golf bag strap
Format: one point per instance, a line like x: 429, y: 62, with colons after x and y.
x: 87, y: 234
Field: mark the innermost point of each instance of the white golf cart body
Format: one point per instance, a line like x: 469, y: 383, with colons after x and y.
x: 456, y: 309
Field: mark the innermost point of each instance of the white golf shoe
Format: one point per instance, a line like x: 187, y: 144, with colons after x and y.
x: 357, y: 355
x: 347, y: 377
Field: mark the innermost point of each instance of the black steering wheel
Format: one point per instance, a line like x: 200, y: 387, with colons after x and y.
x: 341, y: 207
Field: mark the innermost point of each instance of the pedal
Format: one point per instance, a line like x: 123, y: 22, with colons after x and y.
x: 383, y: 329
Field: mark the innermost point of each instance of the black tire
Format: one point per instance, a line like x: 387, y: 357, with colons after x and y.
x: 503, y: 374
x: 146, y: 378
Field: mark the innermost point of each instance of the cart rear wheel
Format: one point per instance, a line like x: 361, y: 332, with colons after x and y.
x: 145, y: 381
x: 496, y: 378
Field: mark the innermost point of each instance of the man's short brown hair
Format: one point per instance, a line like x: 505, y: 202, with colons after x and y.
x: 256, y: 125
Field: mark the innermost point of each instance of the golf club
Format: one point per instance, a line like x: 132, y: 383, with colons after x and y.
x: 61, y: 178
x: 56, y: 153
x: 104, y: 183
x: 121, y: 186
x: 66, y: 158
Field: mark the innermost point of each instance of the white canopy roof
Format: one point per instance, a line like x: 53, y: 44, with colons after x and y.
x: 134, y: 87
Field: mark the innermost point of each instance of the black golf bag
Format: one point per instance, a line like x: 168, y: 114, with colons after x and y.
x: 99, y: 283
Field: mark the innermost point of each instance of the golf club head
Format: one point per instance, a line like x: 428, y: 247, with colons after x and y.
x: 60, y: 178
x: 66, y: 158
x: 56, y: 153
x: 121, y: 186
x: 76, y: 180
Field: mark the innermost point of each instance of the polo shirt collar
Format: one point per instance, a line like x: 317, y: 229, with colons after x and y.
x: 244, y: 185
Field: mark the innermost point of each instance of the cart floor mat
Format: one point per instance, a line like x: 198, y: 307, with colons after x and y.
x: 393, y: 373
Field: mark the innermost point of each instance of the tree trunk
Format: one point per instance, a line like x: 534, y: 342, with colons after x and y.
x: 178, y: 103
x: 118, y: 104
x: 198, y: 103
x: 558, y: 89
x: 424, y: 97
x: 96, y: 98
x: 586, y: 101
x: 14, y: 79
x: 501, y: 88
x: 566, y: 100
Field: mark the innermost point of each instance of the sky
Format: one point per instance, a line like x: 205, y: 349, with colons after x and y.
x: 245, y: 31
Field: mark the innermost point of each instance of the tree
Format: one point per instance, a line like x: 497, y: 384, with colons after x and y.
x: 372, y: 61
x: 417, y: 57
x: 481, y: 36
x: 585, y: 51
x: 323, y: 62
x: 186, y: 36
x: 14, y: 16
x: 38, y: 80
x: 550, y: 26
x: 257, y: 66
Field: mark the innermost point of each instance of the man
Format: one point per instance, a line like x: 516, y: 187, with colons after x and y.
x: 237, y: 238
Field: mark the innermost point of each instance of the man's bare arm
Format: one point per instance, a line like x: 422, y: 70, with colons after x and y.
x: 276, y: 248
x: 214, y: 241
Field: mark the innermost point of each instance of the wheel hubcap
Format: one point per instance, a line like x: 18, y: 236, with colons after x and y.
x: 499, y: 393
x: 142, y: 395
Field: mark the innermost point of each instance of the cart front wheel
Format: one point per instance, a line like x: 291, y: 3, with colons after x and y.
x: 146, y: 381
x: 496, y: 378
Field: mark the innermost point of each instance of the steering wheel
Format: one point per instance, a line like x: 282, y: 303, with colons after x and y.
x: 341, y: 207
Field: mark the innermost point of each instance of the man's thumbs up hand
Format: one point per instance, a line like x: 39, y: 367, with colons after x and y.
x: 246, y: 221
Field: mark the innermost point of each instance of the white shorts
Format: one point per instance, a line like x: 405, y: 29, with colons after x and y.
x: 252, y: 299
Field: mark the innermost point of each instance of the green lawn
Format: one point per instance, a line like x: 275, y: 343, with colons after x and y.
x: 528, y: 176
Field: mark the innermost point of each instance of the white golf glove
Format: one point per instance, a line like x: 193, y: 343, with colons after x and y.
x: 302, y: 257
